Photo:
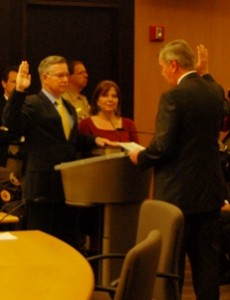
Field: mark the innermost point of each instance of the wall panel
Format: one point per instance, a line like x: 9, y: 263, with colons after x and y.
x: 205, y: 21
x: 99, y: 32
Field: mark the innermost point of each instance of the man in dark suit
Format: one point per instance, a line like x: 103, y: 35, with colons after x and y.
x: 8, y: 81
x: 185, y: 156
x: 37, y: 118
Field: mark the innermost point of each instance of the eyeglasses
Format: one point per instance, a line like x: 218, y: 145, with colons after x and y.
x: 59, y: 75
x: 80, y: 73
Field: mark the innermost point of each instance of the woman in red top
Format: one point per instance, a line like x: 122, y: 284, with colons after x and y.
x: 105, y: 119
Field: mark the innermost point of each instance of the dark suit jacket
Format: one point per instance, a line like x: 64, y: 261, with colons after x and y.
x: 2, y: 106
x: 37, y: 119
x: 184, y: 151
x: 6, y: 137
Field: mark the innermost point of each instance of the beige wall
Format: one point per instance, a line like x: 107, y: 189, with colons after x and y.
x: 197, y: 21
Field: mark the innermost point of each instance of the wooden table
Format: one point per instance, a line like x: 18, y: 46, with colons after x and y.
x: 40, y: 267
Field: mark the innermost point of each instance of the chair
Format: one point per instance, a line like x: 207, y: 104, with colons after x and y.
x: 138, y: 273
x: 6, y: 218
x: 11, y: 216
x: 169, y: 220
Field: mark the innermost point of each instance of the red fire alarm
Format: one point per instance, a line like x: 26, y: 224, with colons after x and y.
x: 156, y: 33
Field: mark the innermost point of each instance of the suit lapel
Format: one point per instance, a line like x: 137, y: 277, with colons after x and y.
x: 51, y: 108
x: 48, y: 106
x: 47, y: 102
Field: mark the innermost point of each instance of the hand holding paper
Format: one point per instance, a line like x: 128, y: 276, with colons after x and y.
x: 130, y: 146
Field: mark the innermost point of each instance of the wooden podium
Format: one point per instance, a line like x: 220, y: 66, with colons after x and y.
x: 111, y: 180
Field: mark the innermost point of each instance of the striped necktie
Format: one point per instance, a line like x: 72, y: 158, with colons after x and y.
x: 64, y: 116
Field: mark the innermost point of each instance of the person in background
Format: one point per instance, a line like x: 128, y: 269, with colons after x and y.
x: 105, y: 119
x: 224, y: 269
x: 185, y: 155
x: 8, y: 82
x: 12, y: 151
x: 51, y: 138
x: 78, y: 79
x: 10, y: 144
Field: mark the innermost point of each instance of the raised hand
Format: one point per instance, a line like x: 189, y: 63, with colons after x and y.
x: 23, y: 79
x: 202, y: 62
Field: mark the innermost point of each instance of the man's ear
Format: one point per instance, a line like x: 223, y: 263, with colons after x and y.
x: 44, y: 76
x: 175, y: 65
x: 3, y: 84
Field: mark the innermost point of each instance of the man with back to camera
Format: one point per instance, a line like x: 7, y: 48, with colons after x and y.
x: 37, y: 117
x: 185, y: 157
x: 78, y: 80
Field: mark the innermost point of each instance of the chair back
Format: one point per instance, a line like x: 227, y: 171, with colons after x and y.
x: 139, y: 269
x: 169, y: 220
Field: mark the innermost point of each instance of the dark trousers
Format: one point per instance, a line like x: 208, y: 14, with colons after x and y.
x: 57, y: 219
x: 201, y: 243
x: 225, y: 246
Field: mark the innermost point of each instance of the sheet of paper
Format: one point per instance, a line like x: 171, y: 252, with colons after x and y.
x: 131, y: 146
x: 7, y: 236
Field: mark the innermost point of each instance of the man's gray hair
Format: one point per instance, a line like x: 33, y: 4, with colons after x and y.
x: 49, y: 61
x: 180, y: 51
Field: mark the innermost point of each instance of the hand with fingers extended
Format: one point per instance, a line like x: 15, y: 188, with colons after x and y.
x: 23, y: 79
x: 202, y: 61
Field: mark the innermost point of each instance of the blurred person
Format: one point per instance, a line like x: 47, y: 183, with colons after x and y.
x: 12, y: 152
x: 11, y: 145
x: 78, y: 79
x: 38, y: 119
x: 185, y: 155
x: 224, y: 268
x: 8, y: 82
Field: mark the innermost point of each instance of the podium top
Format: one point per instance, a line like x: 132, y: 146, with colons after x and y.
x: 108, y: 178
x: 90, y: 160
